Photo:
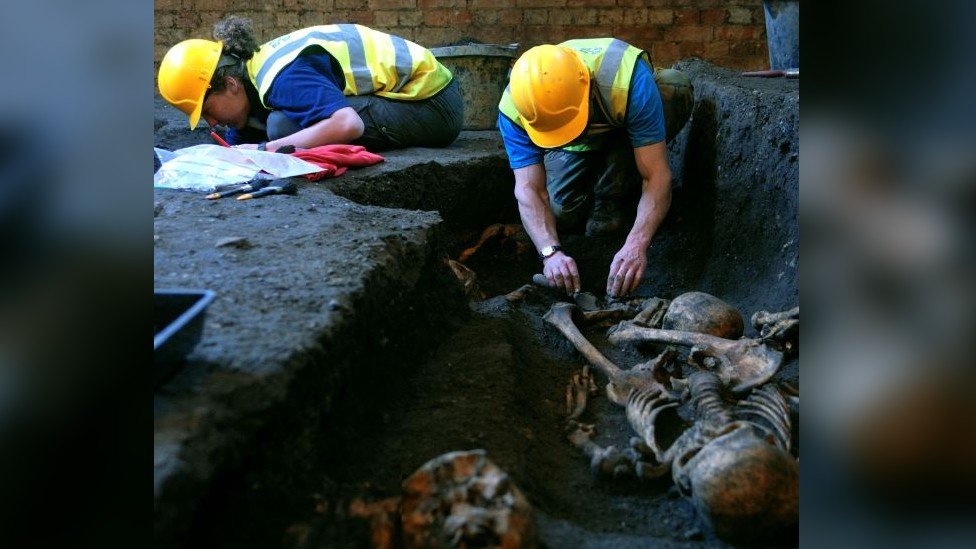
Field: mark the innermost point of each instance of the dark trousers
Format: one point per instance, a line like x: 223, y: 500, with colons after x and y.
x: 432, y: 122
x: 578, y: 180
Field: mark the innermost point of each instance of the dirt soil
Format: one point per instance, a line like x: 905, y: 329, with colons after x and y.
x: 263, y: 446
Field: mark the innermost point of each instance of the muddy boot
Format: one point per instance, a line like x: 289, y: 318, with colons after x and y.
x: 607, y: 218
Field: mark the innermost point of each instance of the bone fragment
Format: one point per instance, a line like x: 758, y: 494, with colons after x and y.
x: 578, y: 391
x: 520, y: 294
x: 653, y: 313
x: 761, y: 318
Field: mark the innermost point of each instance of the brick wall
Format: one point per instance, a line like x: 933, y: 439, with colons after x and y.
x: 730, y: 33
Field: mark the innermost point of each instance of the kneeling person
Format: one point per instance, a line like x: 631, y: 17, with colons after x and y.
x: 582, y: 122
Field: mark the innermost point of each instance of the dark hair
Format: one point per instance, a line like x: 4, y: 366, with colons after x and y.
x: 240, y: 45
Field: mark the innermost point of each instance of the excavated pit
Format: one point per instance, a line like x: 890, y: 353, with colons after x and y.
x: 324, y: 381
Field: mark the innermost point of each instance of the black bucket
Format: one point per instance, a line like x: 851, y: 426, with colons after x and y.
x: 177, y: 326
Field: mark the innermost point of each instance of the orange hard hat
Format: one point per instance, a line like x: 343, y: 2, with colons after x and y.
x: 550, y: 87
x: 185, y: 73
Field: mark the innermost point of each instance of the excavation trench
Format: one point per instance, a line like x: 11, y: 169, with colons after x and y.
x: 406, y: 367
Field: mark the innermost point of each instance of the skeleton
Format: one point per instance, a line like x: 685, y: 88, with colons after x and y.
x: 734, y: 461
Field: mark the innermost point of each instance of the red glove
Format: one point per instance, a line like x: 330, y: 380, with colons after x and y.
x: 335, y: 159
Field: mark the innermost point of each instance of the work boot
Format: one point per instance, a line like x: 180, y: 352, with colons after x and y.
x: 607, y: 218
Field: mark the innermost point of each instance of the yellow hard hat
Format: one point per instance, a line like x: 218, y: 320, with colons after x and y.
x: 185, y: 73
x: 550, y: 87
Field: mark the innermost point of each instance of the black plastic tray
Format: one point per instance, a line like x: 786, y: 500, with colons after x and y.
x: 178, y: 315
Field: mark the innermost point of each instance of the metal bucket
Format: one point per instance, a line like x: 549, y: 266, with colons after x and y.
x: 783, y: 33
x: 482, y: 72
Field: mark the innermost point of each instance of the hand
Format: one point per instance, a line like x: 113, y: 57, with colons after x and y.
x: 560, y: 270
x: 626, y: 270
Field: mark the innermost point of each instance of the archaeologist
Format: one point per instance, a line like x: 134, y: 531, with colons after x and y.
x: 315, y: 86
x: 583, y: 122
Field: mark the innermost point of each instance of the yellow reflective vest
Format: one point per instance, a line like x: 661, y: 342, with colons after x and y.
x: 611, y: 63
x: 373, y: 62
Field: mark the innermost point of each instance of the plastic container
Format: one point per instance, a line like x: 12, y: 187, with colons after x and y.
x: 482, y: 72
x: 177, y: 326
x: 783, y: 33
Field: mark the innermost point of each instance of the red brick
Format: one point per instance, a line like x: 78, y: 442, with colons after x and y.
x: 492, y: 4
x: 385, y: 19
x: 498, y: 34
x: 527, y: 3
x: 740, y: 15
x: 286, y: 19
x: 311, y: 18
x: 385, y: 4
x: 612, y: 16
x: 481, y: 18
x: 356, y: 5
x: 664, y: 50
x: 690, y: 34
x: 572, y: 16
x: 736, y: 32
x: 427, y: 4
x: 713, y: 16
x: 641, y: 36
x: 535, y: 17
x: 511, y: 17
x: 447, y: 18
x: 635, y: 17
x: 411, y: 18
x: 660, y: 17
x: 715, y: 50
x: 686, y: 16
x: 744, y: 48
x: 591, y: 3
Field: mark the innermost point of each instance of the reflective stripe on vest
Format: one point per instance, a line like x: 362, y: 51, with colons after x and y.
x: 372, y: 62
x: 611, y: 64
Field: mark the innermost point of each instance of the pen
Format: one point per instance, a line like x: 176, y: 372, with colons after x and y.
x: 220, y: 140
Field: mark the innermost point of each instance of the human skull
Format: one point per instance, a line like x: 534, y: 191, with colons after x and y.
x: 703, y: 313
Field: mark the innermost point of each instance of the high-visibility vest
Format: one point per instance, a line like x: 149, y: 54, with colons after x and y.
x: 611, y: 64
x: 372, y: 62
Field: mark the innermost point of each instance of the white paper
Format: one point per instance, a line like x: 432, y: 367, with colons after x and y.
x: 203, y: 167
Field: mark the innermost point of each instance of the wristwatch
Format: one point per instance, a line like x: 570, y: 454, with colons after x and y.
x: 263, y: 146
x: 549, y: 251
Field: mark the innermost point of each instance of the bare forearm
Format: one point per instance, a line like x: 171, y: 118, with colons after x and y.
x: 537, y: 219
x: 653, y: 206
x: 341, y: 127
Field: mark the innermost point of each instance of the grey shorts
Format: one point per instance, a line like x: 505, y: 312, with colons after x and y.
x: 389, y: 124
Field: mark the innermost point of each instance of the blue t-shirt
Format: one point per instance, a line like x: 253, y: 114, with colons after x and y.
x: 645, y: 121
x: 307, y: 90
